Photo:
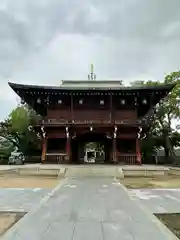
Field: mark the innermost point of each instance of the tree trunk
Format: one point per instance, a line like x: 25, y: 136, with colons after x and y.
x: 172, y: 155
x: 166, y: 153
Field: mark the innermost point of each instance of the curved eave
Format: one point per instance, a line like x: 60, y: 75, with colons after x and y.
x: 17, y: 87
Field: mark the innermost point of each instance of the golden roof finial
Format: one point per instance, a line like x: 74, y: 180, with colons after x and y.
x: 91, y: 75
x: 92, y: 68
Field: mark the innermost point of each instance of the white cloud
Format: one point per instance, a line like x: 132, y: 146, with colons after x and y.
x: 45, y: 41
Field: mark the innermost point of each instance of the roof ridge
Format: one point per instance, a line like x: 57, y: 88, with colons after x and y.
x: 78, y: 87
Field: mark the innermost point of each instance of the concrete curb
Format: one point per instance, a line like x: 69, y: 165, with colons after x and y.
x: 154, y: 219
x: 12, y: 231
x: 13, y: 211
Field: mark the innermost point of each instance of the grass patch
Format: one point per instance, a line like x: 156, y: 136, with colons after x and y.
x: 171, y: 221
x: 7, y: 220
x: 168, y: 181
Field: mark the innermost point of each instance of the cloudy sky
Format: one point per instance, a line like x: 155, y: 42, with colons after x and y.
x: 45, y: 41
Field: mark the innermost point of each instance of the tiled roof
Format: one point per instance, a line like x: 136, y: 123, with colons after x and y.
x: 92, y: 85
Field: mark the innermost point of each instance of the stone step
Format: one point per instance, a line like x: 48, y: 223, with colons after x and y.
x: 144, y: 171
x: 94, y: 172
x: 42, y: 172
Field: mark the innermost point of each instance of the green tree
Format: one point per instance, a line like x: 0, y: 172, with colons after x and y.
x: 5, y: 150
x: 15, y: 129
x: 167, y: 110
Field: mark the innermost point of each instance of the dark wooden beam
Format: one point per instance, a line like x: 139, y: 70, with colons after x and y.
x: 111, y: 113
x: 72, y: 108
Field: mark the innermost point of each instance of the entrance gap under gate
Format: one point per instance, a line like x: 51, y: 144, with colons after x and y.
x: 91, y: 148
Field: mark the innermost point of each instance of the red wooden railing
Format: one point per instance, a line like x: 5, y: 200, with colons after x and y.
x: 60, y: 158
x: 129, y: 159
x: 57, y: 158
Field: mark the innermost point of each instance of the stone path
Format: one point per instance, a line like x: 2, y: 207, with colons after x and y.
x: 89, y: 208
x: 20, y: 199
x: 158, y: 200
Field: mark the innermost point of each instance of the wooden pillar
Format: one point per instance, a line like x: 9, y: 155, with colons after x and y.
x: 44, y: 150
x: 114, y: 155
x: 68, y: 146
x: 138, y: 151
x: 68, y: 149
x: 72, y: 109
x: 110, y: 114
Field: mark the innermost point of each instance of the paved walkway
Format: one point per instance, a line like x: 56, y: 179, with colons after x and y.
x: 21, y: 199
x: 91, y: 209
x: 158, y: 200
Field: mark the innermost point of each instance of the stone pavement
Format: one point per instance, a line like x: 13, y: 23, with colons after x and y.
x: 89, y: 209
x: 20, y: 199
x: 158, y: 200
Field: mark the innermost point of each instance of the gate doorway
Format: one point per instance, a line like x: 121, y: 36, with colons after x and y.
x: 91, y: 148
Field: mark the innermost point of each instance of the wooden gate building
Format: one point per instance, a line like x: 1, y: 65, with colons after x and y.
x: 77, y: 112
